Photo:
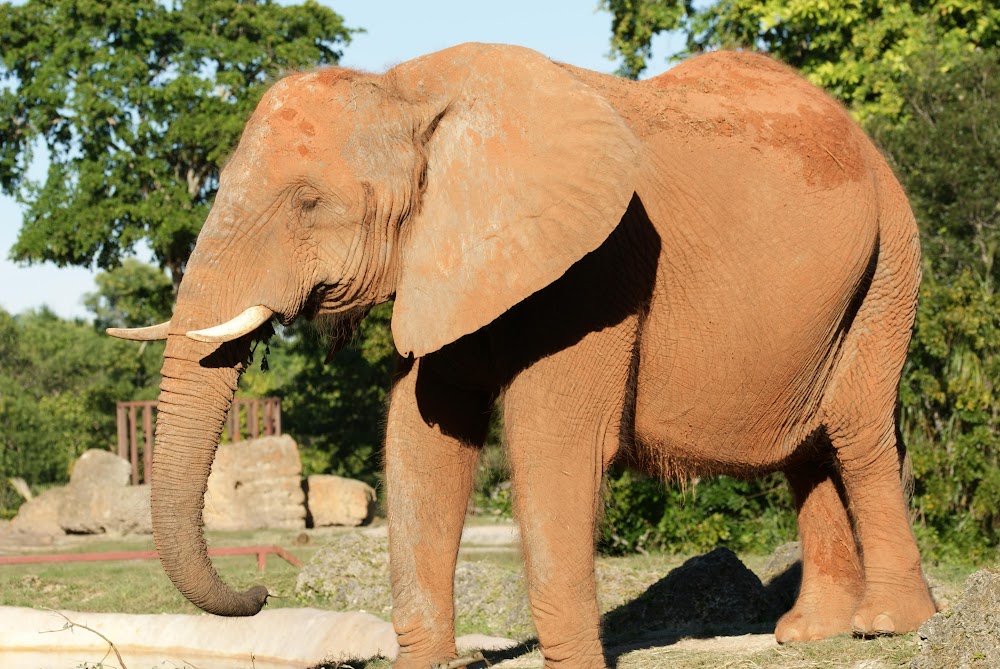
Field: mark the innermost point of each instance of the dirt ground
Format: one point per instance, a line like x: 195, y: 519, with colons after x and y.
x: 492, y: 600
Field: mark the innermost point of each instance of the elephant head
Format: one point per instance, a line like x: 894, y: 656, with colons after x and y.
x: 458, y: 183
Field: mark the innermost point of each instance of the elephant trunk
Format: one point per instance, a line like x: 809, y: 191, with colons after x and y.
x: 195, y: 398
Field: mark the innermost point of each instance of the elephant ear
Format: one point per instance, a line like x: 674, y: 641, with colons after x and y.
x: 528, y: 170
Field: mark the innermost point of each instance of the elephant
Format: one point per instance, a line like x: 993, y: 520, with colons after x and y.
x: 710, y: 272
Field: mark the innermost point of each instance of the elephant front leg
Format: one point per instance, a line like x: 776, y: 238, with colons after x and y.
x: 562, y: 428
x: 433, y: 437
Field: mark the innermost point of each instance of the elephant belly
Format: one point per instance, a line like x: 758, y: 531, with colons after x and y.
x: 754, y: 286
x: 729, y: 396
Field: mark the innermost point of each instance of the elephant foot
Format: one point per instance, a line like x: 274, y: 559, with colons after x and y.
x: 822, y: 616
x: 898, y: 611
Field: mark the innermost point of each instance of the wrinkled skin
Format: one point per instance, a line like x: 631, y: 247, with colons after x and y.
x: 710, y: 272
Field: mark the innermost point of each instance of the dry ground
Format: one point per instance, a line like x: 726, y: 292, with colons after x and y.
x: 141, y: 587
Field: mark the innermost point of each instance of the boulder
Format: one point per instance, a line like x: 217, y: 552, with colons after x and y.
x: 713, y: 593
x: 95, y: 510
x: 102, y: 469
x: 335, y: 500
x: 256, y: 484
x: 39, y: 515
x: 782, y: 575
x: 100, y: 500
x: 967, y: 634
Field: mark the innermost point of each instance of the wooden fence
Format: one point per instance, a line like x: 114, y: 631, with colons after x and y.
x: 136, y: 421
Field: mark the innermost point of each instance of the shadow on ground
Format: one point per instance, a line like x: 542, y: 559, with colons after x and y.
x: 708, y: 596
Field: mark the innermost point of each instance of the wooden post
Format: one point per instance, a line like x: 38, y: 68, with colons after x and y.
x: 252, y: 419
x: 277, y: 416
x: 147, y: 446
x: 268, y: 426
x: 133, y: 443
x: 122, y: 431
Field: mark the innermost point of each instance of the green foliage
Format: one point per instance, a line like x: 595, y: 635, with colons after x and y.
x: 634, y: 24
x: 136, y: 105
x: 335, y: 411
x: 858, y: 50
x: 644, y: 515
x: 59, y: 383
x: 951, y: 417
x: 945, y: 153
x: 132, y: 295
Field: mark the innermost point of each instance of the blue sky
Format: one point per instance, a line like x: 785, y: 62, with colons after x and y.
x: 572, y: 31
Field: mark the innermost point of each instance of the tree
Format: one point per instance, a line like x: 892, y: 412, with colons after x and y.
x: 130, y: 296
x: 858, y: 50
x: 136, y: 104
x: 944, y: 151
x: 58, y: 387
x: 634, y: 24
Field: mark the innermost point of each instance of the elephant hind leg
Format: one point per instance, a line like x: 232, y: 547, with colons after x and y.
x: 859, y: 413
x: 832, y: 576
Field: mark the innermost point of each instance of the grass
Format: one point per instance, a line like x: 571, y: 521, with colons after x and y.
x: 142, y: 587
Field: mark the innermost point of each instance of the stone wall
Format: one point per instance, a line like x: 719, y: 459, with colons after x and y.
x: 254, y: 484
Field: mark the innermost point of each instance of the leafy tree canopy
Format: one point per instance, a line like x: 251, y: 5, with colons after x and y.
x: 131, y: 296
x: 947, y: 153
x: 136, y: 104
x: 858, y: 50
x: 59, y: 383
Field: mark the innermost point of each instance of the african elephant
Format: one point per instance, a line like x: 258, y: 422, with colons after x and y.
x: 709, y: 272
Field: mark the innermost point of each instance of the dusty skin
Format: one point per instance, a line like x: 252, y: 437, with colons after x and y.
x: 712, y: 271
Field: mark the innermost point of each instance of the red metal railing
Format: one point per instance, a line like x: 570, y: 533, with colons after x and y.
x: 257, y: 416
x: 260, y: 551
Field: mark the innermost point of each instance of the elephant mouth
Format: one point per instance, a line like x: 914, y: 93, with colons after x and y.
x: 334, y: 322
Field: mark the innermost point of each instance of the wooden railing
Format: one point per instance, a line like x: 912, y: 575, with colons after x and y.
x: 260, y: 551
x: 136, y: 421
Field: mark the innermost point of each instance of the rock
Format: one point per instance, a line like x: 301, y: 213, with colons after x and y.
x: 99, y: 498
x: 334, y: 500
x: 100, y: 468
x: 709, y: 594
x: 782, y: 575
x: 256, y: 484
x: 967, y: 635
x: 33, y: 638
x: 354, y: 574
x: 39, y: 515
x: 88, y: 509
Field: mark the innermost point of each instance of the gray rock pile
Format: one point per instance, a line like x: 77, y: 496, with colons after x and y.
x: 353, y: 574
x: 710, y: 594
x: 967, y: 634
x: 254, y: 484
x: 97, y: 500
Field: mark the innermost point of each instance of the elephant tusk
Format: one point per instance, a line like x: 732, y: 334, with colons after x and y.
x: 151, y: 333
x: 245, y: 323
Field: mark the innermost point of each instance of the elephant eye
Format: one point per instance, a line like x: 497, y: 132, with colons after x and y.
x: 309, y: 203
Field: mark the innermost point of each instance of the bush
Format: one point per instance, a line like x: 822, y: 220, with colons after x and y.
x: 643, y: 515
